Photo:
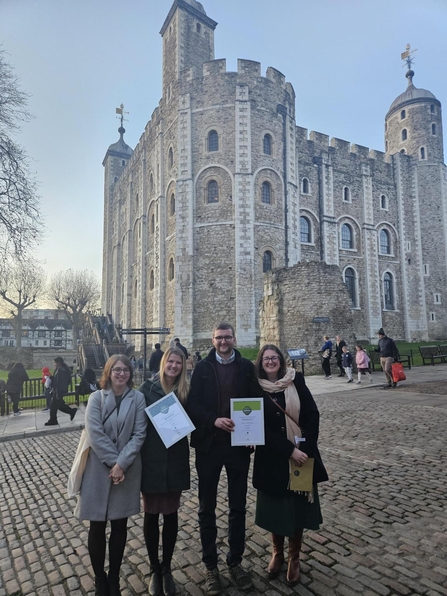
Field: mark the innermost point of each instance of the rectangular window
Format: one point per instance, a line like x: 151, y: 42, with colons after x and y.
x: 41, y: 333
x: 6, y: 333
x: 58, y: 334
x: 437, y: 298
x: 45, y: 342
x: 58, y: 343
x: 433, y: 317
x: 426, y: 269
x: 408, y: 246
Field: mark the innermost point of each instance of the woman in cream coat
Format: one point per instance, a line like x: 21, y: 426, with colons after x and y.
x: 115, y: 422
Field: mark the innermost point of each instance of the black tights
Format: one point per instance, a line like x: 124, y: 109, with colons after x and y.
x: 152, y: 536
x: 97, y: 545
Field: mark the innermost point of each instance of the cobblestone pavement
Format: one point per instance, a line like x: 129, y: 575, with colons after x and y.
x: 384, y: 509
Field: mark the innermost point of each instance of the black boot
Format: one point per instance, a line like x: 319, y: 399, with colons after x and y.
x: 155, y: 585
x: 101, y: 585
x: 168, y: 581
x: 114, y: 585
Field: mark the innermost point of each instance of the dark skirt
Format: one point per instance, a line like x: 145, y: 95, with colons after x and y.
x: 165, y: 503
x: 285, y: 515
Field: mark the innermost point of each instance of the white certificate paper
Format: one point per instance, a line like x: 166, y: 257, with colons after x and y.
x: 248, y: 417
x: 169, y: 419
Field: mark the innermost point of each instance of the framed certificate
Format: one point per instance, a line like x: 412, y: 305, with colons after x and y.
x: 248, y: 417
x: 170, y: 419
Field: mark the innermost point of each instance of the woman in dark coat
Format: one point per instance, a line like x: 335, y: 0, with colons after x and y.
x: 60, y: 387
x: 339, y: 343
x: 290, y: 412
x: 165, y: 475
x: 326, y: 353
x: 115, y: 423
x: 16, y: 377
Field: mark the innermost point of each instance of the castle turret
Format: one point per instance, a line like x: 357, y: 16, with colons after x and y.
x: 413, y: 124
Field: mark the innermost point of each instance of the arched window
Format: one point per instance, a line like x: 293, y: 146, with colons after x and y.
x: 151, y: 183
x: 388, y: 291
x: 151, y: 280
x: 351, y: 285
x: 384, y: 242
x: 432, y: 108
x: 267, y: 144
x: 305, y: 186
x: 305, y: 235
x: 404, y: 134
x: 402, y: 151
x: 213, y: 141
x: 347, y: 236
x: 212, y: 192
x: 172, y: 205
x: 137, y: 202
x: 383, y: 202
x: 123, y: 162
x: 170, y: 158
x: 115, y: 179
x: 171, y: 269
x: 267, y: 261
x: 403, y: 114
x: 135, y: 289
x: 433, y: 129
x: 422, y: 152
x: 266, y: 193
x: 346, y: 194
x: 152, y: 223
x: 198, y: 27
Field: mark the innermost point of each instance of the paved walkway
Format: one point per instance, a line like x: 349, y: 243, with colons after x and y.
x: 384, y: 509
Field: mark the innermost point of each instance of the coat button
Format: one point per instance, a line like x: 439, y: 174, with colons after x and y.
x: 277, y: 413
x: 282, y: 428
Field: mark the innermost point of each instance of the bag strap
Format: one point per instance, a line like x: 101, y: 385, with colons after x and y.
x: 108, y: 415
x: 282, y: 409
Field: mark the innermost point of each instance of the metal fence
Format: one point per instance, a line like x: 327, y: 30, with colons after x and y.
x: 33, y: 396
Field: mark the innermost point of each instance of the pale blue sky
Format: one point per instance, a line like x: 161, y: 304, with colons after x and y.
x: 79, y: 59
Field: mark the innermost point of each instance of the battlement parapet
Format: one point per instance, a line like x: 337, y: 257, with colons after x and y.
x: 248, y: 67
x: 214, y: 67
x: 276, y: 76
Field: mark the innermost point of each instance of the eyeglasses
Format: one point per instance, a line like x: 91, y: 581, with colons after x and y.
x: 270, y: 359
x: 119, y: 370
x: 224, y: 338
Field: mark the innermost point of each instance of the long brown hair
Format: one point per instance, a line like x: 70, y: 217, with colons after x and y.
x: 260, y: 372
x: 180, y: 386
x: 106, y: 379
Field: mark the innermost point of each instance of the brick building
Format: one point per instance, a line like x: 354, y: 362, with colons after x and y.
x: 224, y: 186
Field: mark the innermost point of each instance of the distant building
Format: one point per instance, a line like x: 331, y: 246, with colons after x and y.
x: 41, y: 328
x: 223, y: 186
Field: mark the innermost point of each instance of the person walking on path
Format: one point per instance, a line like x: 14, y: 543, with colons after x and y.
x: 290, y: 413
x: 14, y: 385
x: 388, y: 354
x: 223, y: 374
x: 59, y: 388
x: 46, y: 382
x: 362, y: 361
x: 346, y: 359
x: 165, y: 474
x: 115, y: 423
x: 179, y: 345
x: 155, y: 359
x: 339, y: 343
x: 326, y: 353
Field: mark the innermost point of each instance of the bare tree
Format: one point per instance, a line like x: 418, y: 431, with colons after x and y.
x: 76, y: 293
x: 21, y: 285
x: 20, y: 224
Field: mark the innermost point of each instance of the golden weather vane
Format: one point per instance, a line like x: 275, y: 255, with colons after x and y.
x: 407, y: 56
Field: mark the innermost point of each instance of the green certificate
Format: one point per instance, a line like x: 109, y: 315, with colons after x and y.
x: 248, y: 417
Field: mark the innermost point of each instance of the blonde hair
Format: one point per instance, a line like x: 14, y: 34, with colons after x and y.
x: 180, y: 386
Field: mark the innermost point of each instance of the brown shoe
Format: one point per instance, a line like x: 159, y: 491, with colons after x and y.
x: 277, y: 557
x: 293, y: 568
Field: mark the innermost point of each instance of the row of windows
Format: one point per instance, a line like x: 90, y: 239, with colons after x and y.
x: 388, y: 289
x: 212, y: 142
x: 347, y: 237
x: 305, y: 190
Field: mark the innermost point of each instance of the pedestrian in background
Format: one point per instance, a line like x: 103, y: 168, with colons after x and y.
x: 115, y: 423
x: 60, y: 387
x: 14, y: 385
x: 339, y: 343
x: 388, y: 354
x: 165, y: 474
x: 155, y: 359
x: 347, y: 362
x: 326, y: 353
x: 46, y: 382
x: 362, y: 362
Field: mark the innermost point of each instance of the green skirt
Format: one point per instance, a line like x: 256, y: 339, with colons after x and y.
x: 285, y: 515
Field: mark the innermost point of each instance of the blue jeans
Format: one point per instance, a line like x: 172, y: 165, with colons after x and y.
x: 236, y: 461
